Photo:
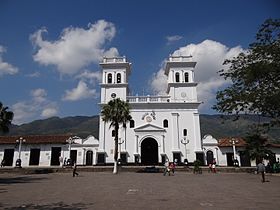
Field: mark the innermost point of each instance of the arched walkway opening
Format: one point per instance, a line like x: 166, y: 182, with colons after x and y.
x: 209, y: 157
x: 149, y: 152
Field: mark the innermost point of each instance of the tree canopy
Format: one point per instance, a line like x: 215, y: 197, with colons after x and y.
x: 117, y: 112
x: 6, y: 118
x: 256, y: 147
x: 255, y: 76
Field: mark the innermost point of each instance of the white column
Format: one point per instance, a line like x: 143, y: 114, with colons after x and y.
x: 125, y: 139
x: 197, y: 137
x: 136, y: 144
x: 124, y: 77
x: 163, y: 145
x: 104, y: 78
x: 115, y: 78
x: 175, y: 131
x: 192, y: 77
x: 234, y: 141
x: 84, y: 156
x: 234, y: 151
x: 102, y: 134
x: 120, y: 141
x: 19, y: 149
x: 69, y: 148
x: 217, y: 156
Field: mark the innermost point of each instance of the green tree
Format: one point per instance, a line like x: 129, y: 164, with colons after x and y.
x: 6, y: 118
x: 118, y: 113
x: 256, y: 148
x: 255, y: 77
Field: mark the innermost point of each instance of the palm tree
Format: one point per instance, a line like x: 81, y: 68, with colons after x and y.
x: 256, y: 148
x: 118, y: 113
x: 6, y: 118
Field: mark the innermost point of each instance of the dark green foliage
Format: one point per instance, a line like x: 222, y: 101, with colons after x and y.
x: 255, y: 77
x: 196, y: 167
x: 80, y: 125
x: 221, y: 127
x: 83, y: 126
x: 117, y: 112
x: 6, y: 118
x: 256, y: 147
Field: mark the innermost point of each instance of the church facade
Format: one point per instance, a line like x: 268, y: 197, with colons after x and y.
x: 163, y: 126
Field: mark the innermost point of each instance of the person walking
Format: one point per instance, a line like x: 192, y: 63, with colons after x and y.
x: 65, y: 161
x: 75, y: 170
x: 166, y: 168
x: 210, y: 167
x: 172, y: 168
x: 186, y: 162
x: 261, y: 169
x: 3, y: 163
x: 214, y: 167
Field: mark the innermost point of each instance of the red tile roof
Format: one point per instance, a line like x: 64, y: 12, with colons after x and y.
x: 226, y: 142
x: 273, y: 145
x: 53, y: 139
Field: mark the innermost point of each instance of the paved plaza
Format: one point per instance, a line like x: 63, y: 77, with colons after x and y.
x: 128, y: 190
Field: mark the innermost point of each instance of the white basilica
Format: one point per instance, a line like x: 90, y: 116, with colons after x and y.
x: 162, y: 126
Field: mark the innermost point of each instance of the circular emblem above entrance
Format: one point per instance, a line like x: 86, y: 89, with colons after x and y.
x: 183, y: 95
x: 113, y: 95
x: 149, y: 119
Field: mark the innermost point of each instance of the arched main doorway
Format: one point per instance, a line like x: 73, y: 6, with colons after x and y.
x: 149, y: 152
x: 89, y: 156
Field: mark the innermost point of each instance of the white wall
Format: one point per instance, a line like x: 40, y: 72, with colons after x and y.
x: 46, y: 149
x: 172, y: 135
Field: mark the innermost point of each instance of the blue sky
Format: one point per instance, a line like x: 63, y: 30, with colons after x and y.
x: 49, y: 50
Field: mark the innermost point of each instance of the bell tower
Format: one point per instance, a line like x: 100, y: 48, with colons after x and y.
x: 115, y: 72
x: 180, y: 73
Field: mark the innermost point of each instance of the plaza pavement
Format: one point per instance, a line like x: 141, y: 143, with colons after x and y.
x: 130, y: 190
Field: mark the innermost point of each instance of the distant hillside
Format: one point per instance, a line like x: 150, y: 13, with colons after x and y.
x: 84, y: 126
x: 219, y: 127
x: 80, y: 125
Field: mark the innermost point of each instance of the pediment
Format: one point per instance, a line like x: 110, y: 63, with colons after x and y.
x: 209, y: 140
x: 149, y: 128
x: 91, y: 140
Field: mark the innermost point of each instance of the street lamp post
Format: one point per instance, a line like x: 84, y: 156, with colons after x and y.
x: 185, y: 141
x: 70, y: 141
x: 18, y: 161
x: 233, y: 141
x: 120, y: 142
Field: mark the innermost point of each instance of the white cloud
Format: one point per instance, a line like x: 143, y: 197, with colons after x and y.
x: 49, y: 112
x: 112, y: 52
x: 35, y: 74
x: 82, y: 91
x: 6, y: 68
x: 23, y: 112
x: 159, y: 82
x: 90, y: 76
x: 37, y: 106
x: 171, y: 39
x: 76, y: 48
x: 39, y: 95
x: 209, y: 56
